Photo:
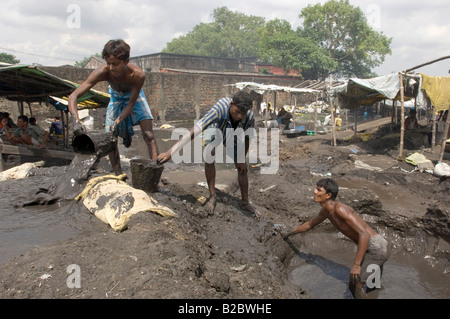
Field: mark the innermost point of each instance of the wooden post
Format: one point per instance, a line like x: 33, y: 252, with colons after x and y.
x: 433, y: 127
x: 293, y: 108
x: 67, y: 135
x: 315, y: 113
x: 402, y: 103
x: 275, y: 101
x: 445, y: 136
x: 332, y: 114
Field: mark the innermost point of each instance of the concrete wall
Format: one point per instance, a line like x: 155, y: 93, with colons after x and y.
x: 159, y: 61
x: 186, y: 96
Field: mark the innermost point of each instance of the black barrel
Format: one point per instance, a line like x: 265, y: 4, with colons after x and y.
x: 100, y: 143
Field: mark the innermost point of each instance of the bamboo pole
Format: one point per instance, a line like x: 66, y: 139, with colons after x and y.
x: 433, y: 136
x: 315, y: 113
x: 427, y: 63
x: 402, y: 104
x: 445, y: 136
x: 332, y: 114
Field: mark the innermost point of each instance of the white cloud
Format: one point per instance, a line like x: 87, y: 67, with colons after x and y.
x: 39, y: 31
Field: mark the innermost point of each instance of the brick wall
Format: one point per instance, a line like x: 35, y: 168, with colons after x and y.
x: 186, y: 96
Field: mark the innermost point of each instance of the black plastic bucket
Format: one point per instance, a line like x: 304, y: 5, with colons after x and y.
x: 145, y: 174
x: 100, y: 143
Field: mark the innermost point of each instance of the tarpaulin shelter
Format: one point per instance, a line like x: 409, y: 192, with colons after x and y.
x: 28, y: 83
x: 272, y: 88
x: 367, y: 92
x: 399, y: 87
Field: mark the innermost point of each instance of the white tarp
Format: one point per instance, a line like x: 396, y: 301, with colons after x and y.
x: 370, y: 91
x: 263, y: 88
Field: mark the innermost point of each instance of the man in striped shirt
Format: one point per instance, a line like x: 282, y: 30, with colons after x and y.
x: 228, y: 115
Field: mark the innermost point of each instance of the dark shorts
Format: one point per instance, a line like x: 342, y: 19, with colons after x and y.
x: 377, y: 253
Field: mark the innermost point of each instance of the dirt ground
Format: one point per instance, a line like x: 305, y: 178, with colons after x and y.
x: 230, y: 255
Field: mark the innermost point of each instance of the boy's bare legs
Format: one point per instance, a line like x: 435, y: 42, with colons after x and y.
x: 114, y: 158
x: 149, y: 139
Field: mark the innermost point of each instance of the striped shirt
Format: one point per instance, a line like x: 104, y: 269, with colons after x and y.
x: 218, y: 117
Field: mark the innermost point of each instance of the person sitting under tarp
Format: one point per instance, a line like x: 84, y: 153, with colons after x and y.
x: 411, y: 122
x: 284, y: 118
x: 27, y: 134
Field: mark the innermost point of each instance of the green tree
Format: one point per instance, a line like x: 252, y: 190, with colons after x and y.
x: 283, y: 47
x: 230, y: 35
x: 345, y: 40
x: 8, y: 58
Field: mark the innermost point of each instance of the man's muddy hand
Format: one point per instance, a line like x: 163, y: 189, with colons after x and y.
x: 114, y: 128
x: 79, y: 129
x: 163, y: 158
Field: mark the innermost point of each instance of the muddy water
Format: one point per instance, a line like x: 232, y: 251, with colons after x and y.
x: 23, y: 228
x: 40, y: 209
x: 322, y: 266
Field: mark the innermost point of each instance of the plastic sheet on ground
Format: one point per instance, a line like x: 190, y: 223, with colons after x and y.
x: 113, y: 201
x: 18, y: 172
x: 422, y: 163
x: 442, y: 170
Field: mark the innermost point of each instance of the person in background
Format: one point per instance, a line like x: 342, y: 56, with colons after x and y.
x: 127, y: 106
x: 411, y: 122
x: 27, y: 134
x: 372, y: 248
x: 56, y: 128
x: 10, y: 123
x: 285, y: 118
x: 338, y: 122
x: 32, y: 121
x: 2, y: 128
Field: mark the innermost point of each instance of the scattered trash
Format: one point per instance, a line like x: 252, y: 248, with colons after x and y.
x: 278, y: 228
x: 45, y: 276
x: 266, y: 189
x: 360, y: 164
x: 441, y: 170
x: 166, y: 126
x: 239, y: 268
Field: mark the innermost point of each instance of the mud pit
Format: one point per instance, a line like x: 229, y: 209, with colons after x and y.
x: 230, y: 255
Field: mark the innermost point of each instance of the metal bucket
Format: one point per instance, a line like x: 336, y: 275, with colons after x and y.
x: 145, y: 174
x: 100, y: 143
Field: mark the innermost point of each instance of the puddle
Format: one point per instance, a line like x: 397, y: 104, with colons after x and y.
x: 321, y: 267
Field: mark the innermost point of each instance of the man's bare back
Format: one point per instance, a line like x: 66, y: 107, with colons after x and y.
x: 344, y: 218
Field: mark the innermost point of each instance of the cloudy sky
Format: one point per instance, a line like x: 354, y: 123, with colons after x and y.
x: 58, y: 32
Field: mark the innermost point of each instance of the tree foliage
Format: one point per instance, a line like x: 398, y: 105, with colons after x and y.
x: 283, y: 47
x: 8, y: 58
x: 334, y: 38
x: 342, y: 33
x: 230, y: 35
